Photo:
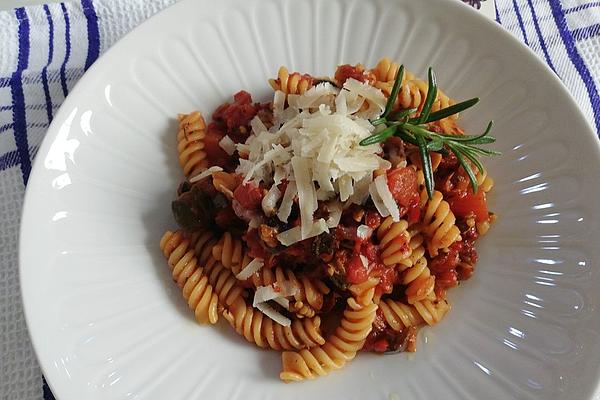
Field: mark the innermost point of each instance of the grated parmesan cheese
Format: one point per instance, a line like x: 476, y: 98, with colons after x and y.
x: 294, y: 235
x: 376, y: 197
x: 253, y: 266
x: 205, y: 174
x: 270, y: 312
x: 364, y: 231
x: 335, y: 213
x: 306, y: 193
x: 314, y: 145
x: 386, y: 196
x: 257, y: 125
x: 277, y: 293
x: 364, y: 260
x: 269, y: 202
x: 285, y: 208
x: 227, y: 144
x: 266, y: 293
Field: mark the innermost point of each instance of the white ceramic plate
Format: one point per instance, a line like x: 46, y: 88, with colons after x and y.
x: 108, y: 323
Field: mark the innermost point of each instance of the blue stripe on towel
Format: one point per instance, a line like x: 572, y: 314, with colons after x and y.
x: 520, y: 20
x: 45, y: 69
x: 582, y: 7
x: 9, y: 160
x: 587, y: 32
x: 18, y: 96
x: 93, y: 32
x: 541, y: 36
x: 63, y: 77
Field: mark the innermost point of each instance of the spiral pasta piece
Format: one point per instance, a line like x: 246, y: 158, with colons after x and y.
x: 190, y: 145
x: 420, y: 283
x: 439, y: 224
x: 399, y: 315
x: 203, y: 242
x: 228, y: 251
x: 309, y: 292
x: 413, y: 92
x: 385, y: 74
x: 342, y: 345
x: 417, y: 250
x: 190, y: 277
x: 438, y: 221
x: 386, y: 70
x: 262, y: 330
x: 394, y: 241
x: 224, y: 282
x: 293, y: 83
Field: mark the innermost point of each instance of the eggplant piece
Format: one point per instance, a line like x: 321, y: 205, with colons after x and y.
x: 196, y: 208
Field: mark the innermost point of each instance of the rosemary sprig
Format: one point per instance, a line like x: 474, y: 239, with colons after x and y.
x: 415, y: 131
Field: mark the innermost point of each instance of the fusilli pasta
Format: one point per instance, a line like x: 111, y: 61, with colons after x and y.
x: 399, y: 315
x: 192, y: 129
x: 340, y: 347
x: 309, y: 207
x: 394, y: 241
x: 228, y: 250
x: 257, y: 328
x: 190, y: 276
x: 438, y: 221
x: 309, y: 292
x: 293, y: 83
x: 225, y: 284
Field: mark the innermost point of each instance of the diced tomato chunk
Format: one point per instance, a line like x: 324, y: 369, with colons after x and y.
x: 372, y: 219
x: 249, y: 196
x: 445, y: 261
x: 255, y: 248
x: 381, y: 345
x: 463, y: 206
x: 346, y: 71
x: 356, y: 272
x: 387, y: 277
x: 214, y: 153
x: 446, y: 280
x: 402, y: 182
x: 237, y: 114
x: 414, y: 212
x: 242, y: 97
x: 371, y: 251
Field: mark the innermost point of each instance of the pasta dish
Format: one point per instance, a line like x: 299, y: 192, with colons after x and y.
x: 332, y: 219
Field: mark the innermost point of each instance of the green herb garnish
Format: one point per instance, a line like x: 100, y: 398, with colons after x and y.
x: 415, y: 131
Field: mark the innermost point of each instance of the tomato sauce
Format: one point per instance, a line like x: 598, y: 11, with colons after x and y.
x: 255, y: 245
x: 402, y: 182
x: 214, y: 153
x: 346, y: 71
x: 356, y: 271
x: 249, y: 196
x: 467, y: 203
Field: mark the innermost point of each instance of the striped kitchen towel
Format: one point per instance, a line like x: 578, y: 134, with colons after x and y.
x: 45, y: 49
